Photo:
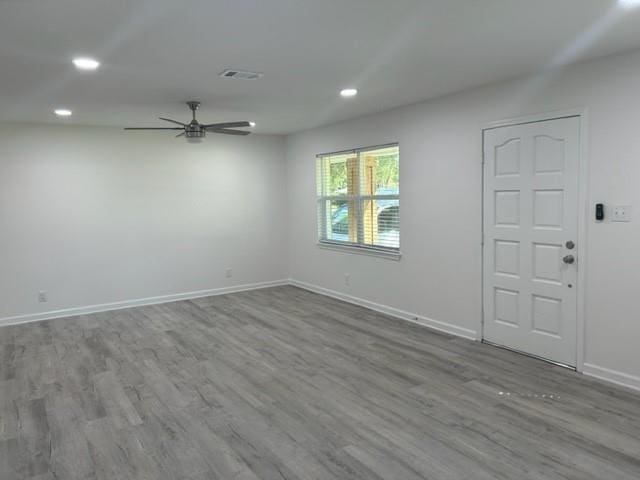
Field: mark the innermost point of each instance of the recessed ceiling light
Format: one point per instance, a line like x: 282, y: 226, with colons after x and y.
x: 62, y: 112
x: 629, y: 3
x: 252, y: 124
x: 84, y: 63
x: 348, y: 92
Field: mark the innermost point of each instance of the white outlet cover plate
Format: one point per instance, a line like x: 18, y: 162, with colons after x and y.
x: 621, y: 213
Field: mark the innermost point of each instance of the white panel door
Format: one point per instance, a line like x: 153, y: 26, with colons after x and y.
x: 530, y: 245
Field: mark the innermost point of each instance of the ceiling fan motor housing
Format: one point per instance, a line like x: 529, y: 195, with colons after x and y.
x: 195, y: 132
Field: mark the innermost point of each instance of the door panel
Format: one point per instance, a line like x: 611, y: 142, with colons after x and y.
x: 530, y: 213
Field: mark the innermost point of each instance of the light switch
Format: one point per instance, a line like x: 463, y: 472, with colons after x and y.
x: 621, y: 213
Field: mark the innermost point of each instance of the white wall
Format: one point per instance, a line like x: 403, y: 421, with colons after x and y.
x: 439, y: 274
x: 96, y: 215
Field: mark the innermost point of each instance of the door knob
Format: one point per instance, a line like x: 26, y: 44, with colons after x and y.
x: 569, y: 259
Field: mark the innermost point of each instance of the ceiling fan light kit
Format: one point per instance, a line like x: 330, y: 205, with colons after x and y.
x: 195, y: 131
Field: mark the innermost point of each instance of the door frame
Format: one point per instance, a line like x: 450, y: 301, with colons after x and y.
x: 583, y: 214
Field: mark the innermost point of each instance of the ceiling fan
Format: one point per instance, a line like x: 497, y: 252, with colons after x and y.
x: 195, y: 131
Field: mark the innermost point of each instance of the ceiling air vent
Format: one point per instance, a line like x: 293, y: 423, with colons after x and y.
x: 241, y: 74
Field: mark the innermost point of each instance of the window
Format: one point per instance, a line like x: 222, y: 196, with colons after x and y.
x: 358, y: 198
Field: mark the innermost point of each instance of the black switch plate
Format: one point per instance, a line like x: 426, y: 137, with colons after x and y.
x: 599, y: 211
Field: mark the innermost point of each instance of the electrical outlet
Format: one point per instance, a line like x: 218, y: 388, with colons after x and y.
x: 347, y: 279
x: 42, y: 296
x: 621, y: 213
x: 228, y: 273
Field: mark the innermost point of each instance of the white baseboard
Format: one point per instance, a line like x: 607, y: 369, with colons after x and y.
x: 71, y: 312
x: 394, y: 312
x: 612, y: 376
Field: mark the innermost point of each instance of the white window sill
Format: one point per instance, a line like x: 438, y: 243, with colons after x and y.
x: 372, y: 252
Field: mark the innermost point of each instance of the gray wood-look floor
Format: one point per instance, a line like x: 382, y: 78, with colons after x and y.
x: 286, y: 384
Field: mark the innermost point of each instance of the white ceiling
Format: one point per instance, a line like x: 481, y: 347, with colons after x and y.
x: 157, y: 54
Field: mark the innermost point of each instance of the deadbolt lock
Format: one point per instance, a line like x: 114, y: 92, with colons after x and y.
x: 570, y: 245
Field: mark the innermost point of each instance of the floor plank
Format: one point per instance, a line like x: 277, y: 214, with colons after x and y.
x: 283, y: 383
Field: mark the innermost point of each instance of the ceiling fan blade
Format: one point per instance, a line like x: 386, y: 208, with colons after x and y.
x: 227, y: 132
x: 173, y: 121
x: 228, y: 125
x: 153, y: 128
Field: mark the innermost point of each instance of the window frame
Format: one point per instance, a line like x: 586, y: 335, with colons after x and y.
x: 323, y: 215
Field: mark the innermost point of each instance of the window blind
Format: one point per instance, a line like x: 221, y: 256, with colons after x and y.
x: 358, y: 198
